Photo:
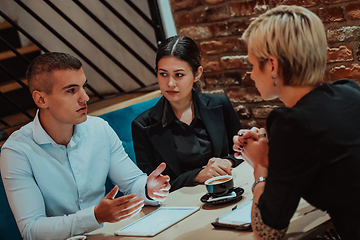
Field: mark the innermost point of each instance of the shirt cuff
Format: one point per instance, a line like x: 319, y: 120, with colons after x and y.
x: 86, y: 219
x: 147, y: 199
x: 235, y: 161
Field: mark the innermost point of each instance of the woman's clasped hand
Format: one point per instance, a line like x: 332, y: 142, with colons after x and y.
x: 252, y: 146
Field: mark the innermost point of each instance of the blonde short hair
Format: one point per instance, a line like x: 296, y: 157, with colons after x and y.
x: 296, y: 37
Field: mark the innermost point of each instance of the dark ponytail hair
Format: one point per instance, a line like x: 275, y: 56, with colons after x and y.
x: 183, y: 48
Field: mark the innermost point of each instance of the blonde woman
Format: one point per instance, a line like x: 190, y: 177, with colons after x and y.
x: 311, y: 149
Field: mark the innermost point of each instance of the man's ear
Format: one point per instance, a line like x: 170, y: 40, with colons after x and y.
x: 39, y: 99
x: 198, y: 73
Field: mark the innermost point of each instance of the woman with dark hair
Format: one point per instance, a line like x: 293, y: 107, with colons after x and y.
x: 190, y: 131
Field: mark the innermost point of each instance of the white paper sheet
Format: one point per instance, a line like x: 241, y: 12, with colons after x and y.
x: 157, y: 221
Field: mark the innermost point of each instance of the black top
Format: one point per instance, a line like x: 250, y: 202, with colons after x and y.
x: 160, y: 137
x: 314, y: 153
x: 192, y: 137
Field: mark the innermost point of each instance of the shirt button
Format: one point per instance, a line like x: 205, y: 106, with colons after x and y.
x: 81, y: 200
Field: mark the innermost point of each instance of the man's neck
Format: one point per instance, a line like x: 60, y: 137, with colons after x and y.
x: 60, y: 133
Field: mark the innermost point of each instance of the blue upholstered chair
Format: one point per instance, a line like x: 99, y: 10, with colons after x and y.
x: 120, y: 120
x: 8, y: 227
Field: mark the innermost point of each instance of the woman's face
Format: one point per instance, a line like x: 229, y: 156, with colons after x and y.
x: 263, y: 78
x: 176, y: 79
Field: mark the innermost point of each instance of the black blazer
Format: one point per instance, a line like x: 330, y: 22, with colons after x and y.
x: 154, y: 143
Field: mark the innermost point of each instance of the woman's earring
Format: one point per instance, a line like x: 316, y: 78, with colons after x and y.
x: 274, y: 79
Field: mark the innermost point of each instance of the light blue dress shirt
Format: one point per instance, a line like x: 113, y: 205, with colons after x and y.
x: 52, y: 189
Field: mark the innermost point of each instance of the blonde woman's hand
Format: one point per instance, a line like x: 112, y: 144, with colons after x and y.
x: 252, y: 145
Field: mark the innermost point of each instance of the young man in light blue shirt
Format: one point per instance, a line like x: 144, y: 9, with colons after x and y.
x: 54, y: 168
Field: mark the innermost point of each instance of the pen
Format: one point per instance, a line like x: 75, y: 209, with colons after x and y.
x: 241, y: 185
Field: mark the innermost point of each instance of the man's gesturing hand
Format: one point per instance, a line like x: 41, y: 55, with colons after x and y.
x: 158, y: 185
x: 114, y: 210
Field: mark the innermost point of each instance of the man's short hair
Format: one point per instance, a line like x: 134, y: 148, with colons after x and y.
x: 39, y: 72
x: 296, y: 37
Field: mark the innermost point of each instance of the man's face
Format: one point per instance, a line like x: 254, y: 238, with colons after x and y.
x: 67, y: 102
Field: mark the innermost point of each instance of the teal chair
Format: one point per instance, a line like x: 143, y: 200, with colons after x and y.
x: 8, y: 227
x: 120, y: 120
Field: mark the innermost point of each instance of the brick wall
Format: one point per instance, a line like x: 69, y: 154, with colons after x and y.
x: 217, y: 26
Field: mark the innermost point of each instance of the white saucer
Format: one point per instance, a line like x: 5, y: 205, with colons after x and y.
x: 229, y: 195
x: 235, y: 194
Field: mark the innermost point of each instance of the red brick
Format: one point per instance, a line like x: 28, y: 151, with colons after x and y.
x: 357, y: 81
x: 248, y: 124
x: 184, y: 4
x: 302, y: 3
x: 351, y: 72
x: 196, y: 32
x: 343, y: 34
x: 242, y: 45
x: 333, y: 1
x: 326, y: 76
x: 353, y: 11
x: 247, y: 81
x: 341, y: 54
x: 212, y: 14
x: 243, y: 112
x: 214, y: 1
x: 263, y: 111
x: 212, y: 79
x: 248, y: 8
x: 219, y: 46
x: 331, y: 14
x: 232, y: 78
x: 211, y: 65
x: 224, y: 81
x: 214, y: 91
x: 242, y: 95
x: 233, y: 62
x: 229, y: 28
x: 183, y: 18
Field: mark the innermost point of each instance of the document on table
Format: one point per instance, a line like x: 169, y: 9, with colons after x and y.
x: 157, y: 221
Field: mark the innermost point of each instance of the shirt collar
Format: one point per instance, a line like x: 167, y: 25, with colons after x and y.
x: 41, y: 137
x: 169, y: 115
x: 196, y: 107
